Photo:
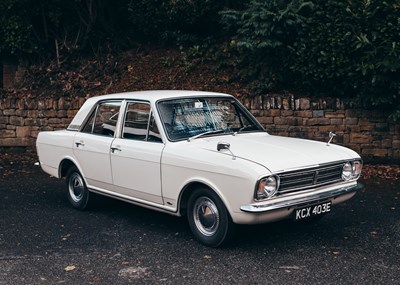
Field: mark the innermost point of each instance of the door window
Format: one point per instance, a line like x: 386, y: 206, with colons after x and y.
x: 139, y: 124
x: 103, y: 120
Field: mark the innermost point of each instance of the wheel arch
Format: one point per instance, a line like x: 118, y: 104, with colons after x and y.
x: 65, y: 164
x: 188, y: 190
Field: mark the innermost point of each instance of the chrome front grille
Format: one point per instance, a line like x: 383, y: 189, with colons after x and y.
x: 309, y: 178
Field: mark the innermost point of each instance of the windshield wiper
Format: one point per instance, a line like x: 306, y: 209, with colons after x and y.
x: 204, y: 134
x: 243, y: 128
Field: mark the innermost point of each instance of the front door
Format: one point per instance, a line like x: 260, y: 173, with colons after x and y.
x: 136, y: 156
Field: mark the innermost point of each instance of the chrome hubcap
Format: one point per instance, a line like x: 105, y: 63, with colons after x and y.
x: 206, y: 216
x: 76, y: 187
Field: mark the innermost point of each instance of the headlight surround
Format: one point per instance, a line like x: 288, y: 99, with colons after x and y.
x: 267, y: 187
x: 351, y: 170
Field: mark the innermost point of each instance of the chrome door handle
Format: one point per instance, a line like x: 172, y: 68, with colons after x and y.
x: 115, y: 148
x: 79, y: 144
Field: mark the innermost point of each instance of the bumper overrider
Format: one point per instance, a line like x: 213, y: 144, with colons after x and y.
x: 293, y: 201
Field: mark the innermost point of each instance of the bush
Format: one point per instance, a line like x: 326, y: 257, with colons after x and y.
x: 340, y: 47
x: 174, y: 21
x: 15, y: 28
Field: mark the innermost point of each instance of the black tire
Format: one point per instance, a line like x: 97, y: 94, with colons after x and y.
x: 78, y: 195
x: 209, y: 219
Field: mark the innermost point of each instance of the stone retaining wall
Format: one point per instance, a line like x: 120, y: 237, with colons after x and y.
x: 366, y: 131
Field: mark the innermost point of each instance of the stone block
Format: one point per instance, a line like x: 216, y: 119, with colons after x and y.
x: 50, y: 113
x: 71, y: 113
x: 387, y: 143
x: 330, y: 128
x: 16, y: 121
x: 374, y: 152
x: 41, y: 122
x: 319, y: 122
x: 274, y: 113
x: 396, y: 144
x: 318, y: 114
x: 9, y: 112
x: 3, y: 120
x: 350, y: 121
x: 29, y: 122
x: 21, y: 113
x: 62, y: 114
x: 54, y: 121
x: 47, y: 128
x: 334, y: 114
x: 7, y: 134
x: 366, y: 128
x: 266, y: 120
x: 286, y: 113
x: 359, y: 138
x: 34, y: 134
x: 303, y: 114
x: 23, y: 132
x: 336, y: 121
x: 32, y: 113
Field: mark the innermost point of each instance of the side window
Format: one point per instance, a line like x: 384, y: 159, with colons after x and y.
x: 88, y: 128
x: 104, y: 119
x: 139, y: 123
x: 136, y: 121
x: 154, y: 133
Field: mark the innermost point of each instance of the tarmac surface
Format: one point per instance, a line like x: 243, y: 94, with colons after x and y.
x: 44, y: 241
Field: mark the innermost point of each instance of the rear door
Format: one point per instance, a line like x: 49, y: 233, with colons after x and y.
x: 136, y: 155
x: 92, y: 144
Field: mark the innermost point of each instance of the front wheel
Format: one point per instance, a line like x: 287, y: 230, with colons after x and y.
x: 208, y: 218
x: 77, y: 192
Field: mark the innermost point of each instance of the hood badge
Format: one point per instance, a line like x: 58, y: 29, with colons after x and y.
x: 225, y: 146
x: 331, y: 136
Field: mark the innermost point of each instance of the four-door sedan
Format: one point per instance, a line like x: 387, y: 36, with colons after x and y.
x: 196, y: 154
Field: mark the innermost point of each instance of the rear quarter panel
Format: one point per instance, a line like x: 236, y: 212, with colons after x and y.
x: 52, y: 148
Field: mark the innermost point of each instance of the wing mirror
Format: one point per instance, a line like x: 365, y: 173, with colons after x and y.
x: 225, y: 146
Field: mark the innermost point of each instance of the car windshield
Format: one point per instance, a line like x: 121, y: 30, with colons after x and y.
x: 189, y: 118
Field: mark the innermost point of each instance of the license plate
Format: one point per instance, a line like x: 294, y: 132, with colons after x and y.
x: 312, y: 211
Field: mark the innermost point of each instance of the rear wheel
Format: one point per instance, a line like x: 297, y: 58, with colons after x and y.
x: 77, y: 192
x: 208, y: 218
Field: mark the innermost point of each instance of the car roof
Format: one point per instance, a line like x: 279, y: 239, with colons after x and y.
x: 155, y: 95
x: 151, y: 96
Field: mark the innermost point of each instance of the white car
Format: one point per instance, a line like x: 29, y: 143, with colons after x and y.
x: 196, y: 154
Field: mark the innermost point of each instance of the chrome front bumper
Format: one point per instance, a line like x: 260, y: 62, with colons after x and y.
x: 289, y: 202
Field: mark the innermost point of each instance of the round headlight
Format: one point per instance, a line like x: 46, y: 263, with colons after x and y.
x: 267, y: 187
x: 347, y: 171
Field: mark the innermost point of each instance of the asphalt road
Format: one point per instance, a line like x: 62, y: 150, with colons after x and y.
x: 44, y: 241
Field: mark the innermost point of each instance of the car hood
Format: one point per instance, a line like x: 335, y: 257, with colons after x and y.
x: 278, y: 153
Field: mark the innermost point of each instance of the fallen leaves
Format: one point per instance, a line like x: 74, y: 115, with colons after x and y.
x: 389, y: 172
x: 69, y: 268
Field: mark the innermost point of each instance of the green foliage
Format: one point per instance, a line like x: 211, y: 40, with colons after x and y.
x: 15, y: 28
x: 28, y: 27
x: 175, y: 21
x: 340, y: 47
